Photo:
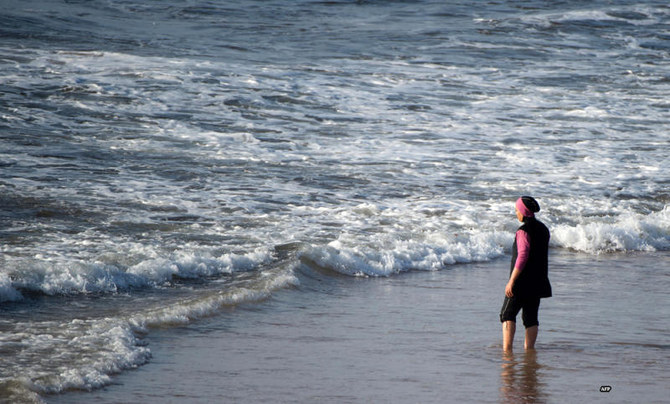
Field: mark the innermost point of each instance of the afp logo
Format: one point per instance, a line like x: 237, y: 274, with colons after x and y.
x: 605, y: 389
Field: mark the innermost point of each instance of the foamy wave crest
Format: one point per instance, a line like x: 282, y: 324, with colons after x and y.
x: 84, y: 354
x: 630, y: 15
x: 189, y: 265
x: 53, y: 278
x: 7, y: 291
x: 350, y: 256
x: 258, y: 288
x: 630, y: 232
x: 80, y: 354
x: 73, y: 277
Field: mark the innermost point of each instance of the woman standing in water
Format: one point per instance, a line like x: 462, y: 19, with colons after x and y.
x: 528, y: 281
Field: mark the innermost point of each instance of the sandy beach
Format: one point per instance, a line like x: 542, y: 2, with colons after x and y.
x: 424, y: 337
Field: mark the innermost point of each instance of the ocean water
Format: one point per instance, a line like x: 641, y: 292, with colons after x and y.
x: 165, y: 162
x: 423, y: 337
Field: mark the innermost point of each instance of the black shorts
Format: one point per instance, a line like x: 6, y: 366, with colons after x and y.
x: 512, y: 306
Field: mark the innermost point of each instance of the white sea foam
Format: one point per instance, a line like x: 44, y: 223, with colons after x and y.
x: 102, y: 351
x: 79, y: 354
x: 357, y: 256
x: 7, y: 291
x: 84, y: 354
x: 73, y: 277
x: 631, y: 15
x: 189, y: 265
x: 629, y: 232
x: 422, y: 239
x: 206, y: 304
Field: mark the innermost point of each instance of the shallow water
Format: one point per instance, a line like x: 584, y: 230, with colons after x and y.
x: 165, y: 162
x: 421, y: 337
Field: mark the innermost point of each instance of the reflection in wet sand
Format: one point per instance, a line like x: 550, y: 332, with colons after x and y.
x: 520, y: 379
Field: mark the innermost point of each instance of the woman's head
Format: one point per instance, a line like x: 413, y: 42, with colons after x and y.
x: 526, y: 206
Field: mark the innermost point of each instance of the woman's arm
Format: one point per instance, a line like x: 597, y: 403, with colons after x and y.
x: 523, y: 249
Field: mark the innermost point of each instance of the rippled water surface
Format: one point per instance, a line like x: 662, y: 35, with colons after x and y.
x: 163, y: 161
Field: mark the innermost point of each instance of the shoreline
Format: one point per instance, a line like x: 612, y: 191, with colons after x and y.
x: 414, y: 337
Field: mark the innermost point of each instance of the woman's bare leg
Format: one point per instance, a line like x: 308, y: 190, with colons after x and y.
x: 509, y: 328
x: 531, y: 337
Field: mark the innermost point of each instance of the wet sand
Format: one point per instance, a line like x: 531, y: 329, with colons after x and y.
x: 421, y: 337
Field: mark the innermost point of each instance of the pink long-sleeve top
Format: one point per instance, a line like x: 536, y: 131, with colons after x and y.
x: 522, y: 248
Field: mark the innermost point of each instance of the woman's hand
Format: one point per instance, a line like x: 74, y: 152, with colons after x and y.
x: 508, y: 289
x: 510, y: 284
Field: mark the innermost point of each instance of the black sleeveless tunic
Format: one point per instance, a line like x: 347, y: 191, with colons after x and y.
x: 534, y: 279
